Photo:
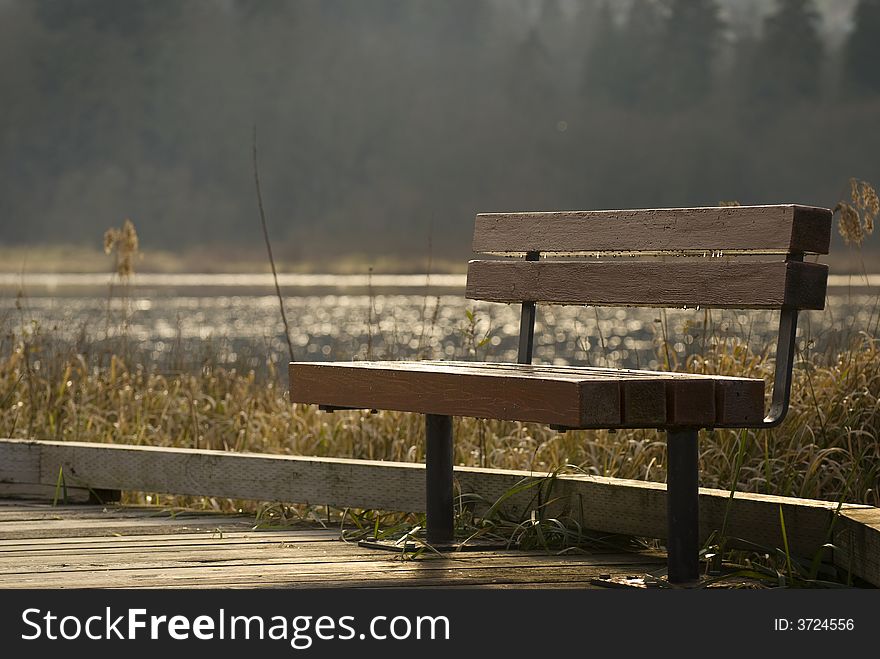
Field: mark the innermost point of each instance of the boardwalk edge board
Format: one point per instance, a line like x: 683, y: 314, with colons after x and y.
x: 31, y: 468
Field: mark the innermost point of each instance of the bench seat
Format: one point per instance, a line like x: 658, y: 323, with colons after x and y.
x: 566, y: 397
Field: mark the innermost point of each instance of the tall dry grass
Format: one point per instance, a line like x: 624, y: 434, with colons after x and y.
x: 828, y: 447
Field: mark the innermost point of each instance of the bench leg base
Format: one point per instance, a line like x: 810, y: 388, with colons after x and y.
x: 682, y: 506
x: 438, y: 481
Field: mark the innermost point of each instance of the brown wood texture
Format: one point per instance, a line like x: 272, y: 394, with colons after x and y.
x: 738, y: 401
x: 709, y: 283
x: 208, y: 473
x: 605, y: 504
x: 564, y: 396
x: 857, y: 537
x: 761, y: 229
x: 155, y: 548
x: 31, y: 491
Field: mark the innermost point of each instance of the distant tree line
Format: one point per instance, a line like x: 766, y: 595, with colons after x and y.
x: 377, y: 119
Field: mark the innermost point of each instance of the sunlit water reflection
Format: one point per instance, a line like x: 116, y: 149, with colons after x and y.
x: 182, y: 328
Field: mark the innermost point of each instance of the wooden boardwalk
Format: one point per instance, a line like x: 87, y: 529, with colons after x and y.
x: 83, y: 546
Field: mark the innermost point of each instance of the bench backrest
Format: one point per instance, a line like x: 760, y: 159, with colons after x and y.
x: 678, y: 262
x: 688, y: 257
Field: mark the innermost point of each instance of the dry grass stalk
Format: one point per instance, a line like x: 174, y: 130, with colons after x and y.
x: 856, y: 218
x: 123, y: 244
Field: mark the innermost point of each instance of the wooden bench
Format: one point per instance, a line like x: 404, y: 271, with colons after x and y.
x: 646, y: 258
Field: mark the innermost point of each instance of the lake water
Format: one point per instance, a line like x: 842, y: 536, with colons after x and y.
x: 184, y: 320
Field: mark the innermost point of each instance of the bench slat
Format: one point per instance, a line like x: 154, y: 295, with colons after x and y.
x: 757, y: 229
x: 710, y: 283
x: 457, y: 393
x: 565, y: 396
x: 737, y: 399
x: 556, y: 370
x: 532, y: 371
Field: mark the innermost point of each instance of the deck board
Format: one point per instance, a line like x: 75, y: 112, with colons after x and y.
x: 42, y: 546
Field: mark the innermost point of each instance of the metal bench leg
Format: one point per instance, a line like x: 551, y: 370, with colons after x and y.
x: 438, y: 465
x: 682, y: 505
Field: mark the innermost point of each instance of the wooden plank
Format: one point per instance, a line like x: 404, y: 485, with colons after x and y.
x: 278, y: 564
x: 591, y: 397
x: 632, y: 507
x: 857, y: 535
x: 21, y: 557
x: 739, y: 403
x: 536, y: 371
x: 38, y: 491
x: 460, y: 392
x: 328, y: 551
x: 20, y: 478
x: 562, y: 370
x: 707, y: 283
x: 612, y: 505
x: 738, y: 400
x: 643, y: 402
x: 762, y: 229
x: 63, y: 527
x: 386, y: 575
x: 22, y: 560
x: 169, y: 523
x: 352, y: 483
x: 114, y: 511
x: 138, y: 542
x: 333, y: 557
x: 195, y: 561
x: 20, y: 464
x: 690, y: 403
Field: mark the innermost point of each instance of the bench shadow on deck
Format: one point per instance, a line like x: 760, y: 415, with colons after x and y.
x: 81, y: 546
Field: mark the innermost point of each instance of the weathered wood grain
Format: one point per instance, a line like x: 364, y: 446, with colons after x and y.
x: 857, y: 537
x: 606, y: 504
x: 24, y: 561
x: 314, y: 562
x: 284, y: 557
x: 74, y: 544
x: 762, y: 229
x: 384, y: 575
x: 93, y: 512
x: 738, y: 401
x: 211, y: 473
x: 21, y: 465
x: 476, y: 392
x: 575, y: 397
x: 708, y: 283
x: 107, y: 527
x: 36, y: 491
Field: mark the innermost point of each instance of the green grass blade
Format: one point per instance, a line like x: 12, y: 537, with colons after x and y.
x: 785, y: 544
x: 60, y: 488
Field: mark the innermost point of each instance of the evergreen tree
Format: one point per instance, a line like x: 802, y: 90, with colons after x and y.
x: 862, y: 50
x: 637, y: 52
x: 689, y: 44
x: 789, y: 55
x: 531, y: 74
x: 127, y: 18
x: 554, y: 27
x: 602, y: 58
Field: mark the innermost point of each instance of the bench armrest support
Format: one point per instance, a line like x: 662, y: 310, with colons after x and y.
x: 785, y: 350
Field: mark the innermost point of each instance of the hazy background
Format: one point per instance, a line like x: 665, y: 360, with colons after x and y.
x: 379, y: 119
